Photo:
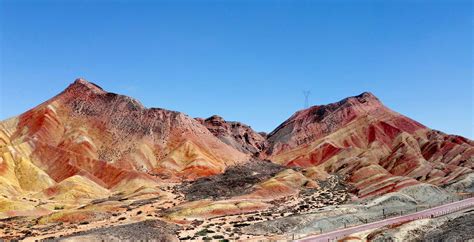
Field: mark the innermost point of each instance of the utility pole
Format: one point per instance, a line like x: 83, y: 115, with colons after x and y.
x: 306, y: 94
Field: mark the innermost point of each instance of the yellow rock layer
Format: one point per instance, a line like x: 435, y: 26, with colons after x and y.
x: 8, y: 205
x: 31, y: 178
x: 189, y: 154
x: 18, y: 173
x: 73, y: 189
x: 208, y: 209
x: 134, y: 185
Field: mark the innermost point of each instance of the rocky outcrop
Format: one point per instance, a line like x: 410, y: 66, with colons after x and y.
x: 377, y: 149
x: 89, y: 155
x: 240, y: 136
x: 314, y: 123
x: 113, y: 140
x: 110, y: 139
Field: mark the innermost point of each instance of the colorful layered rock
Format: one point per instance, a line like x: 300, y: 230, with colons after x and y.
x: 238, y: 135
x: 97, y: 138
x: 377, y: 149
x: 86, y: 144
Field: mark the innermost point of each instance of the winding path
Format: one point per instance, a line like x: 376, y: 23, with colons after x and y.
x: 432, y: 212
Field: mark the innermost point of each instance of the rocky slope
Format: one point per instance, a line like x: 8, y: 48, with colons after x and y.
x: 103, y: 159
x: 238, y: 135
x: 108, y: 140
x: 377, y: 149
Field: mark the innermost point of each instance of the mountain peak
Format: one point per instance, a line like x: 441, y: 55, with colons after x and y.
x: 215, y: 118
x: 363, y: 102
x: 365, y: 97
x: 81, y: 84
x: 331, y: 116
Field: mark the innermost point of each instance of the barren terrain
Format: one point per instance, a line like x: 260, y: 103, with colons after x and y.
x: 88, y: 163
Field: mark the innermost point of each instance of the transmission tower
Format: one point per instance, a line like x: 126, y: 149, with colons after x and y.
x: 306, y: 94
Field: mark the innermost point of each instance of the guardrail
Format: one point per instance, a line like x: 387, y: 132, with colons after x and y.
x: 420, y: 210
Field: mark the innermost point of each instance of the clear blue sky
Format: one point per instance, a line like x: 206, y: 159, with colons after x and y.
x: 245, y: 60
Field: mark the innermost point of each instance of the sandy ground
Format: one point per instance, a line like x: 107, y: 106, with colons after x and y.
x: 145, y: 216
x: 145, y: 230
x: 147, y: 213
x: 111, y: 213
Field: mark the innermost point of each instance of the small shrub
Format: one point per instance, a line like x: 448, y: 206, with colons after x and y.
x: 204, y: 232
x: 241, y: 225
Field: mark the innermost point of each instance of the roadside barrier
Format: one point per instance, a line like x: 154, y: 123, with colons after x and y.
x: 410, y: 214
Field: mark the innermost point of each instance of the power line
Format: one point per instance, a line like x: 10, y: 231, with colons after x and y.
x: 306, y: 94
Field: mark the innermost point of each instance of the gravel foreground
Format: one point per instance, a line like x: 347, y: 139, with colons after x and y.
x: 452, y: 227
x: 458, y: 229
x: 150, y: 230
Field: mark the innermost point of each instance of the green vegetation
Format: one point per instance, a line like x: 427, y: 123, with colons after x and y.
x: 204, y: 232
x: 59, y: 207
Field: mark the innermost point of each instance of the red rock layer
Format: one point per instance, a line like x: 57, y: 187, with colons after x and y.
x: 377, y: 149
x: 240, y: 136
x: 110, y: 138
